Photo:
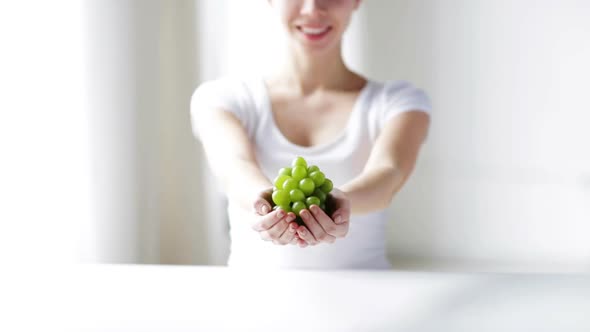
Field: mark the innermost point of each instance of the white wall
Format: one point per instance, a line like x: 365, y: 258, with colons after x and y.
x: 148, y: 205
x: 123, y: 102
x: 504, y: 180
x: 184, y: 212
x: 44, y: 160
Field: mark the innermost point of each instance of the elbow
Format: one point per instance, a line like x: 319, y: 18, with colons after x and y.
x: 395, y: 178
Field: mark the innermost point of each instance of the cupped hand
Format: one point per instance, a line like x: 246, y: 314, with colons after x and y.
x: 277, y: 225
x: 326, y: 227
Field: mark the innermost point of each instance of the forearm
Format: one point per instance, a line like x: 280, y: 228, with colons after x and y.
x: 232, y: 157
x: 244, y: 181
x: 374, y: 189
x: 390, y: 164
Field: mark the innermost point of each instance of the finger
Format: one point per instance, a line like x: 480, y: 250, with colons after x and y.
x: 277, y: 230
x: 267, y: 221
x: 288, y: 235
x: 262, y: 206
x: 298, y: 241
x: 274, y: 233
x: 306, y: 236
x: 339, y: 205
x: 341, y: 216
x: 314, y: 227
x: 302, y: 243
x: 326, y: 222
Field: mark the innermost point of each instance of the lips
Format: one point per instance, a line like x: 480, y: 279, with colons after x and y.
x: 314, y: 32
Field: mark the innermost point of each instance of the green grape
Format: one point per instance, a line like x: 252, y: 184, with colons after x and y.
x: 319, y: 194
x: 286, y: 208
x: 318, y: 178
x: 307, y: 186
x: 296, y: 195
x: 312, y: 200
x: 297, y: 207
x: 281, y: 197
x: 289, y: 184
x: 327, y: 186
x: 299, y: 161
x: 300, y: 186
x: 285, y: 171
x: 299, y: 172
x: 279, y: 180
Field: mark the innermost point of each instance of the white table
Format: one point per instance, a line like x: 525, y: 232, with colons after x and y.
x: 191, y: 298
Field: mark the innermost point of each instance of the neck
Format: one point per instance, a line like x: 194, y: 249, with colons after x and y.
x: 308, y: 73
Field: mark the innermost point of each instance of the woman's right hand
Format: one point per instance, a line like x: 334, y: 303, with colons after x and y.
x: 276, y: 226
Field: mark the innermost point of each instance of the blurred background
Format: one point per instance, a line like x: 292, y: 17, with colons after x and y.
x: 100, y: 164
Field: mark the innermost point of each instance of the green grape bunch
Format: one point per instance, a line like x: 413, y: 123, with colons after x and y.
x: 299, y: 187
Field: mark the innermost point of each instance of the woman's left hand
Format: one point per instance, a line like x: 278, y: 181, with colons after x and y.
x: 319, y: 227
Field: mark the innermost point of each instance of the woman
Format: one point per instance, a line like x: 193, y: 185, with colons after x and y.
x: 364, y: 135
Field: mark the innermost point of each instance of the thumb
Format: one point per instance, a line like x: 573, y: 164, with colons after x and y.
x: 341, y: 216
x: 338, y: 218
x: 262, y: 206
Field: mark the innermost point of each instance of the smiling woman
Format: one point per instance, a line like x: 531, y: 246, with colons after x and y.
x: 365, y: 134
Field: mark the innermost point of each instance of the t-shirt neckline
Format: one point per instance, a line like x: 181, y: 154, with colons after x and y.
x: 267, y: 105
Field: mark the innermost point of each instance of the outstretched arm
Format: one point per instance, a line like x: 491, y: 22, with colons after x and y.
x: 231, y: 156
x: 390, y: 163
x: 232, y: 159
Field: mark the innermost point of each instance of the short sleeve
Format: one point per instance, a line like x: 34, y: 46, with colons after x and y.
x: 402, y: 96
x: 226, y: 94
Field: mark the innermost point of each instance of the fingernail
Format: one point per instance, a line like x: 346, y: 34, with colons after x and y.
x: 303, y: 213
x: 281, y: 213
x: 301, y: 231
x: 338, y: 220
x: 292, y: 229
x: 265, y: 209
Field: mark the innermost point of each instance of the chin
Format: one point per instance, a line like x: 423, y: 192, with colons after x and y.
x: 329, y: 46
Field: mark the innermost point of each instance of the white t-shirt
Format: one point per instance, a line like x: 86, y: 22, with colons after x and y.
x: 341, y: 160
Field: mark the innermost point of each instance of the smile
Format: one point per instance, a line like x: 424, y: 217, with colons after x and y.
x: 314, y: 33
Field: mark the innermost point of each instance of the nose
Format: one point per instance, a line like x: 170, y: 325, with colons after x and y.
x: 312, y: 6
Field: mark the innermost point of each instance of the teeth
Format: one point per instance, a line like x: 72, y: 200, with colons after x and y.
x: 312, y: 31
